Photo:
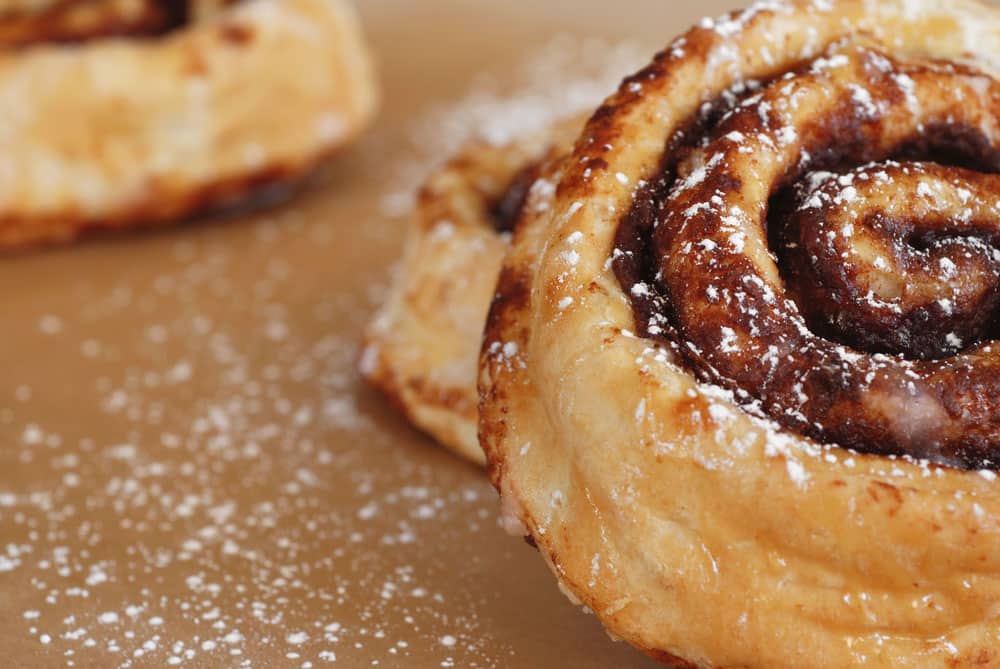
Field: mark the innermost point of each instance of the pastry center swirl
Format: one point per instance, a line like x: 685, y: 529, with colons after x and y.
x: 827, y: 247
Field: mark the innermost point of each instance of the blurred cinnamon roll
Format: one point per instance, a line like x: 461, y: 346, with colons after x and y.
x: 127, y: 112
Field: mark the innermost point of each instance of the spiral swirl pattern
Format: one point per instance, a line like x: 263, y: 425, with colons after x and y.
x: 880, y: 342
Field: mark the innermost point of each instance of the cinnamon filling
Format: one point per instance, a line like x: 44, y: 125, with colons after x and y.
x: 826, y: 246
x: 505, y: 210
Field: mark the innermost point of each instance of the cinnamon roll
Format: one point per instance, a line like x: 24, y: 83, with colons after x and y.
x: 422, y: 348
x: 739, y: 384
x: 177, y: 106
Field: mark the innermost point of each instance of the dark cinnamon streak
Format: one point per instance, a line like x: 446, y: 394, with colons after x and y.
x: 850, y: 405
x: 504, y: 212
x: 81, y: 21
x: 179, y: 13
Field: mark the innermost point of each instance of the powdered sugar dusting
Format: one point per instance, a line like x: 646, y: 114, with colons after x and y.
x: 566, y: 76
x: 228, y: 498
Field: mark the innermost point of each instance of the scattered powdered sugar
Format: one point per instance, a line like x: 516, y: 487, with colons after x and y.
x: 233, y: 500
x: 228, y: 497
x: 566, y: 76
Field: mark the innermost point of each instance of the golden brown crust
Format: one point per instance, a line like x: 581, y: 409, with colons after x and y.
x: 422, y: 348
x: 690, y: 525
x: 161, y: 128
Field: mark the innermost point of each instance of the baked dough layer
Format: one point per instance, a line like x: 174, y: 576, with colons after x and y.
x: 691, y: 526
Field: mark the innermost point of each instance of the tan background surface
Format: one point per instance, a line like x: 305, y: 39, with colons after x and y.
x: 190, y: 473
